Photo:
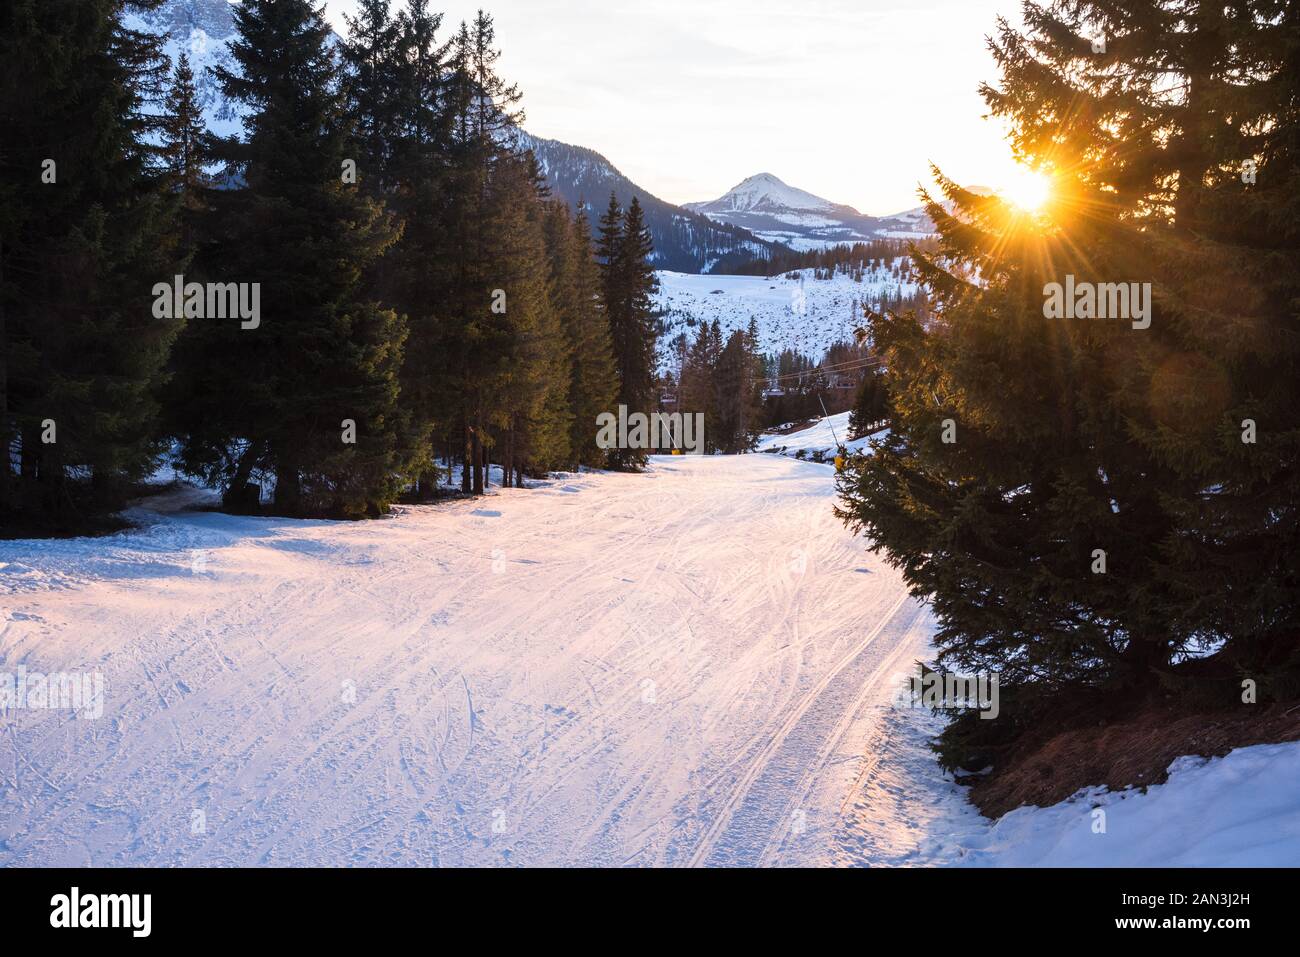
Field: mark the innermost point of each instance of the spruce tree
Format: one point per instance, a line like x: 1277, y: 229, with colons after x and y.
x: 316, y: 398
x: 484, y: 112
x: 593, y: 378
x: 1075, y: 495
x: 528, y: 382
x: 630, y: 285
x: 86, y: 228
x: 370, y: 55
x: 419, y: 274
x: 870, y: 404
x: 184, y: 150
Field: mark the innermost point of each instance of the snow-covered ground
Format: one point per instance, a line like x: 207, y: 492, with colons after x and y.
x: 697, y: 665
x: 1241, y: 810
x: 820, y: 437
x: 684, y: 667
x: 800, y: 313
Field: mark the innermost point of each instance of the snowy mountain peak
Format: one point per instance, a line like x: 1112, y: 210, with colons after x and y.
x: 764, y: 192
x: 183, y: 19
x: 778, y: 212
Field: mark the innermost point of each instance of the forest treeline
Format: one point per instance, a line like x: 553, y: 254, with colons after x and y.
x: 844, y: 257
x: 422, y: 302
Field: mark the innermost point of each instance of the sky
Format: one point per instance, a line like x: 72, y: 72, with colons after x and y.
x: 848, y: 99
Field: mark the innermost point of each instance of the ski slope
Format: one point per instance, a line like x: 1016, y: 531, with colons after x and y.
x: 825, y: 435
x: 687, y: 667
x: 791, y: 311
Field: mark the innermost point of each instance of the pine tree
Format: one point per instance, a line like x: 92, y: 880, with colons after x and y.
x: 484, y: 112
x: 184, y: 149
x: 609, y: 244
x: 87, y: 228
x: 589, y: 369
x: 528, y: 388
x: 1075, y: 494
x: 594, y: 386
x: 630, y: 285
x: 318, y: 378
x: 698, y: 391
x: 371, y: 59
x: 870, y: 404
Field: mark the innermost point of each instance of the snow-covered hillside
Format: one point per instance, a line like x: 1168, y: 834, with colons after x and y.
x: 818, y: 441
x: 203, y: 30
x: 1241, y: 810
x: 793, y: 311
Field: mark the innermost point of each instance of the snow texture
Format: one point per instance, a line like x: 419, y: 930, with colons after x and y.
x: 689, y: 666
x: 792, y: 310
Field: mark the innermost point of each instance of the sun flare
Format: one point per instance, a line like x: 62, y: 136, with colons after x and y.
x: 1027, y: 189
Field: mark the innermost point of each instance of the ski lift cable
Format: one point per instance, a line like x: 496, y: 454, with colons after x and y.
x: 839, y: 367
x: 849, y: 365
x: 827, y: 419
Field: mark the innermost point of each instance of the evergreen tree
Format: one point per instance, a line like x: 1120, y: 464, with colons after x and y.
x: 317, y: 395
x: 697, y: 392
x: 630, y: 285
x: 870, y: 404
x: 609, y: 244
x: 184, y: 150
x: 1075, y: 494
x: 86, y: 228
x: 419, y: 273
x: 371, y: 59
x: 529, y: 385
x: 484, y: 112
x: 575, y: 289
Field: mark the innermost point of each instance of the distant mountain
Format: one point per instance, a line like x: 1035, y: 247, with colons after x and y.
x: 775, y: 211
x: 684, y: 241
x: 204, y: 30
x: 915, y: 222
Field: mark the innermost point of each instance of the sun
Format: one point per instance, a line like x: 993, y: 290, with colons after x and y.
x: 1027, y: 189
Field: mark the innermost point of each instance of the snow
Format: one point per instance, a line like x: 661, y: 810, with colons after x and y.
x: 764, y: 191
x: 204, y: 30
x: 777, y: 212
x: 792, y: 310
x: 693, y: 666
x: 820, y: 437
x: 688, y: 666
x: 1241, y: 810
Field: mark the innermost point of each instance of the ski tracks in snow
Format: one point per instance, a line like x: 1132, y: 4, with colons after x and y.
x: 692, y: 666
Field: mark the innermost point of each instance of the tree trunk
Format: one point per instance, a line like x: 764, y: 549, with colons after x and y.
x: 508, y: 459
x: 238, y: 495
x: 465, y: 461
x: 1145, y: 659
x: 476, y: 462
x: 288, y: 486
